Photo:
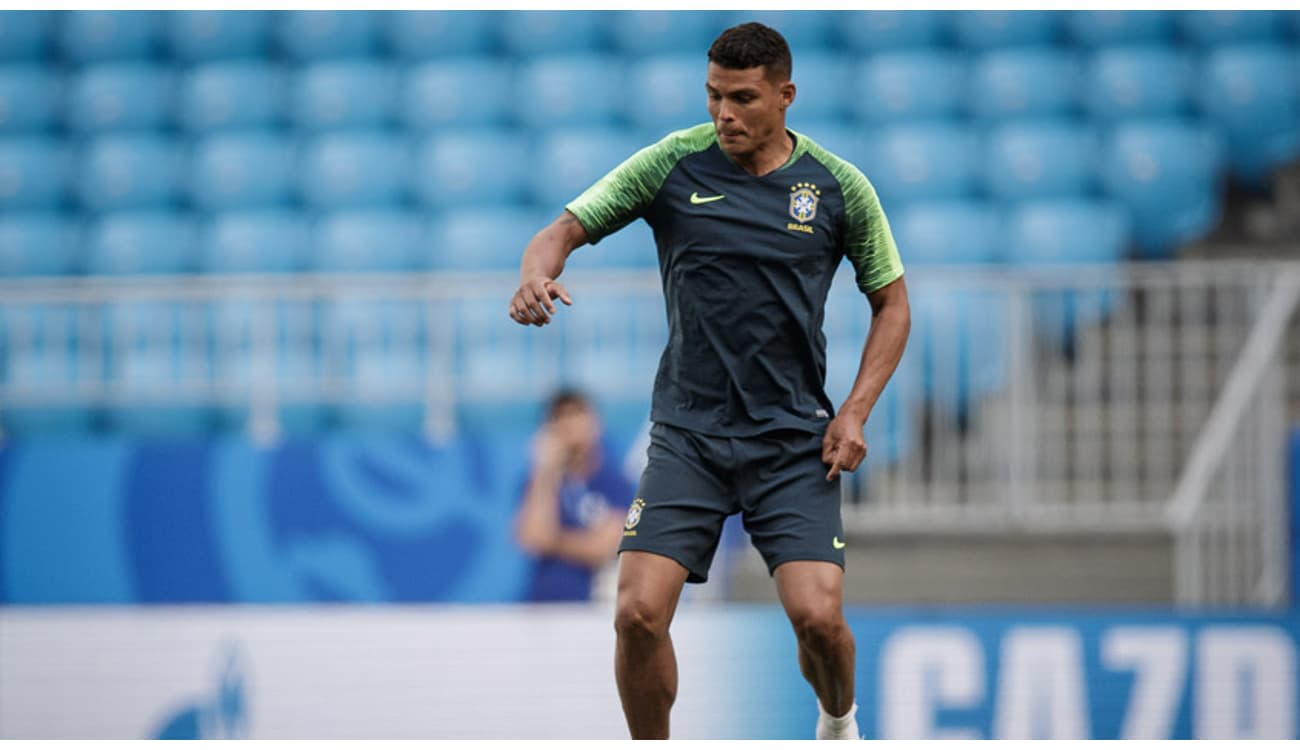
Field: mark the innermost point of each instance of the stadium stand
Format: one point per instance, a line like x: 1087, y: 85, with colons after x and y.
x: 198, y: 35
x: 233, y: 95
x: 31, y: 97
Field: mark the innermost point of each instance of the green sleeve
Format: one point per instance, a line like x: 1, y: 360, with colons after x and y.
x: 623, y: 195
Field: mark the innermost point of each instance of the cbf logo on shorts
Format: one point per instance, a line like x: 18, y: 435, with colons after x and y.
x: 633, y: 517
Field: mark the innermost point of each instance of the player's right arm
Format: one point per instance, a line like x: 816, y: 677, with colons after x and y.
x: 542, y: 264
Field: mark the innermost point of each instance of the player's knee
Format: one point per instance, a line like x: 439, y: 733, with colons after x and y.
x: 638, y: 620
x: 820, y: 626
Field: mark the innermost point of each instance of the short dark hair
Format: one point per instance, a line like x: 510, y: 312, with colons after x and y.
x: 751, y: 45
x: 563, y: 398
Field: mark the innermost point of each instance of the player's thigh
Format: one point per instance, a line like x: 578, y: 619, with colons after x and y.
x: 682, y: 501
x: 790, y: 510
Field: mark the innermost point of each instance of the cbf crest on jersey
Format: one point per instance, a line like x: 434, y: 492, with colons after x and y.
x: 803, y: 201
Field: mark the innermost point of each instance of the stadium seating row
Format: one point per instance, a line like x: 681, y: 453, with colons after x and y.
x: 88, y: 36
x: 655, y: 93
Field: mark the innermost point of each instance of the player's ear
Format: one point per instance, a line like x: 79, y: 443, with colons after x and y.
x: 786, y: 93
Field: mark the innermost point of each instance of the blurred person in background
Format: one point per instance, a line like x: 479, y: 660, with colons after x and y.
x: 571, y: 517
x: 751, y: 221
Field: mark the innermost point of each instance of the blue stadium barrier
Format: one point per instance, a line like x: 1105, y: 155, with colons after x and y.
x: 141, y: 242
x: 120, y: 97
x: 1253, y: 92
x: 922, y: 161
x: 48, y: 367
x: 806, y: 31
x: 383, y: 349
x: 960, y: 342
x: 34, y: 172
x: 87, y: 36
x: 1050, y: 232
x: 38, y: 244
x: 867, y: 32
x: 31, y: 98
x: 370, y: 240
x: 1218, y: 27
x: 233, y: 95
x: 1023, y: 82
x: 571, y: 160
x: 1138, y: 81
x: 243, y: 170
x: 1040, y: 159
x: 891, y: 430
x: 1096, y: 28
x: 483, y: 239
x: 320, y: 34
x: 985, y: 29
x: 665, y: 32
x: 909, y: 85
x: 344, y: 95
x: 1168, y: 173
x: 666, y: 92
x: 199, y: 35
x: 131, y: 171
x: 605, y: 352
x: 152, y: 358
x: 355, y: 170
x: 479, y: 167
x: 948, y: 232
x: 26, y: 34
x: 267, y: 241
x: 821, y: 81
x: 550, y: 32
x: 570, y: 91
x: 422, y: 34
x: 465, y: 92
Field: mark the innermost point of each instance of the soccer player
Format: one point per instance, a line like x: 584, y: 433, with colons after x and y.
x: 751, y: 220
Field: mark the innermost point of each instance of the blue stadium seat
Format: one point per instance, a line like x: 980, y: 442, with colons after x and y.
x: 121, y: 96
x: 355, y: 170
x: 457, y: 93
x: 1253, y: 93
x: 131, y: 171
x: 481, y: 167
x: 1167, y: 173
x: 922, y: 161
x: 960, y: 344
x: 198, y: 35
x: 31, y: 98
x: 570, y: 161
x: 570, y: 90
x: 985, y: 29
x: 1138, y: 81
x: 1023, y: 82
x: 320, y: 34
x: 34, y: 172
x: 666, y: 92
x: 1070, y: 232
x: 87, y: 36
x: 267, y: 241
x: 370, y: 240
x: 26, y: 34
x: 342, y: 95
x: 806, y: 31
x: 1219, y: 27
x: 549, y: 32
x: 665, y: 32
x: 612, y: 346
x: 483, y: 239
x: 821, y: 81
x: 892, y: 428
x: 233, y: 95
x: 141, y: 242
x: 1040, y: 159
x: 870, y: 31
x: 840, y: 137
x: 243, y: 170
x: 38, y: 244
x: 158, y: 350
x: 420, y: 34
x: 909, y: 85
x: 948, y: 232
x: 1097, y: 28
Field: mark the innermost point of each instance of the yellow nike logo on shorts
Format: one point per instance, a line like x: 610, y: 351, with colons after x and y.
x: 837, y: 544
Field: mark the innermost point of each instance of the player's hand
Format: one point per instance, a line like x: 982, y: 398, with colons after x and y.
x: 843, y: 446
x: 532, y: 303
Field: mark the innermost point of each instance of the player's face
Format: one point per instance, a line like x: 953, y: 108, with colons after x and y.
x: 577, y: 426
x: 747, y: 107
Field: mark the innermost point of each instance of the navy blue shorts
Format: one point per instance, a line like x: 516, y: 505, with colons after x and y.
x: 776, y: 480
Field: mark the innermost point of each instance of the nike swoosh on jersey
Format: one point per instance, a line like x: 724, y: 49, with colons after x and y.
x: 697, y: 200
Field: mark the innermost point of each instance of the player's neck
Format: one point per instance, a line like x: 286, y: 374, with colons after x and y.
x: 770, y: 156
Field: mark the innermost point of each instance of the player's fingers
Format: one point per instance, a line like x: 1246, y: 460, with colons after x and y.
x: 857, y: 454
x: 835, y: 466
x: 828, y: 448
x: 533, y: 306
x: 558, y: 290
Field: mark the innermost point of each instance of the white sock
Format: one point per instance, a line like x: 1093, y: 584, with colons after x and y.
x: 837, y: 727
